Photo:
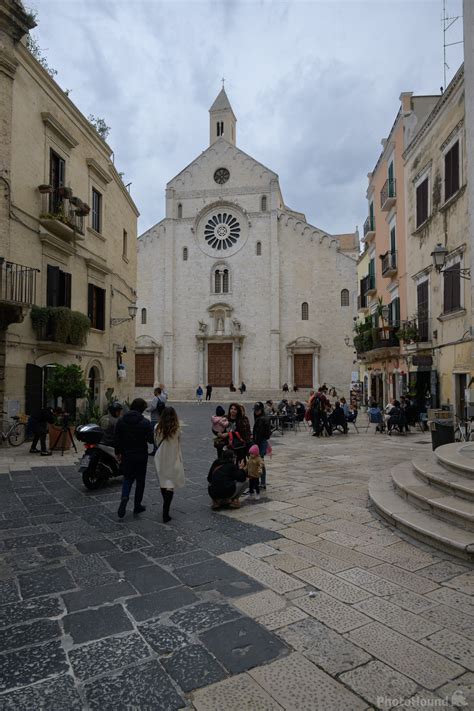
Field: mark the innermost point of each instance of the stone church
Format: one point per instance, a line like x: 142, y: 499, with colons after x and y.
x: 234, y: 286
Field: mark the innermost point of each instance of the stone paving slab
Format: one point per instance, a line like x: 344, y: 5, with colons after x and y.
x: 413, y: 626
x: 408, y: 580
x: 296, y: 683
x: 332, y: 612
x: 379, y: 684
x: 451, y: 618
x: 242, y: 644
x: 369, y: 581
x: 333, y: 585
x: 234, y: 694
x: 282, y: 618
x: 424, y: 666
x: 264, y: 573
x: 452, y: 645
x: 321, y: 645
x: 260, y: 603
x: 117, y: 652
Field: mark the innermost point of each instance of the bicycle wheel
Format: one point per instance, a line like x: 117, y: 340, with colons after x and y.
x: 17, y: 435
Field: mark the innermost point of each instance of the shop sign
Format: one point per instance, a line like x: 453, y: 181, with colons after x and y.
x: 423, y: 360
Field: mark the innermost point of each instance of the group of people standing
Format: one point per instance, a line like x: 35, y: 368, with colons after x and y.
x: 241, y: 454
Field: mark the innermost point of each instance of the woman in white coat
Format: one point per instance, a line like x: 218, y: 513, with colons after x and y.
x: 168, y: 458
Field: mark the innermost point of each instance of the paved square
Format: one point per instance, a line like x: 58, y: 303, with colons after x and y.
x: 304, y: 600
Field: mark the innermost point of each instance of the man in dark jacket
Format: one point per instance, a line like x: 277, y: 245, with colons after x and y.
x: 39, y: 425
x: 227, y: 481
x: 261, y: 434
x: 133, y: 433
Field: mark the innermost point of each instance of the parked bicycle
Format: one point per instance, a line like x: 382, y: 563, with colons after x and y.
x: 463, y: 430
x: 15, y: 433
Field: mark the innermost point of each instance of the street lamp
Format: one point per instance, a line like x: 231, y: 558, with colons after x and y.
x: 132, y: 311
x: 384, y: 312
x: 439, y: 255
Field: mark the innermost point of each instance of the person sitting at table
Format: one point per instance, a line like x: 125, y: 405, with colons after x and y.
x: 269, y: 408
x: 376, y: 417
x: 337, y: 418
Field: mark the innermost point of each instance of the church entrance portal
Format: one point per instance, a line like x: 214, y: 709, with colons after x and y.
x: 219, y: 364
x: 303, y: 370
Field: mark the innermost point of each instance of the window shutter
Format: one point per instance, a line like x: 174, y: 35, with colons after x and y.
x: 396, y: 312
x: 90, y: 302
x: 52, y: 286
x: 67, y: 289
x: 100, y: 296
x: 452, y: 288
x: 393, y: 240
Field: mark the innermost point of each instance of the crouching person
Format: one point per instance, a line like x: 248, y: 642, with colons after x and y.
x: 227, y: 481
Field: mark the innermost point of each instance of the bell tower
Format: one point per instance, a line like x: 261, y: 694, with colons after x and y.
x: 222, y: 120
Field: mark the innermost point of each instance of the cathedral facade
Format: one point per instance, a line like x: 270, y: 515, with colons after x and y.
x: 235, y: 286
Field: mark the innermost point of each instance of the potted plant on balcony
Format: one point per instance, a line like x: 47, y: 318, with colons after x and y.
x: 45, y: 189
x: 83, y: 210
x: 65, y: 192
x: 66, y: 382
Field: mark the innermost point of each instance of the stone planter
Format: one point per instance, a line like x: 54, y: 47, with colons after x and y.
x: 64, y: 441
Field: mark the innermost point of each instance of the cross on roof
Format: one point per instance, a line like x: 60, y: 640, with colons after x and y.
x: 223, y: 80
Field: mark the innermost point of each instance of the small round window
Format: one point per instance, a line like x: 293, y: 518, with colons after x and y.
x: 221, y: 176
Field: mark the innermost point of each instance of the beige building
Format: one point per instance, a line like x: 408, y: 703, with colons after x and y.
x: 383, y: 289
x: 437, y: 345
x: 67, y: 236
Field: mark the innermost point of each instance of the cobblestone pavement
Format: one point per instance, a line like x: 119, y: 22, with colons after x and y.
x: 304, y: 600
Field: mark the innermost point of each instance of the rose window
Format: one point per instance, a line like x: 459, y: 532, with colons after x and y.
x: 222, y: 231
x: 221, y: 176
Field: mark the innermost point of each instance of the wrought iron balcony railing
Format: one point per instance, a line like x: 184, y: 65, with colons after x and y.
x: 62, y: 213
x: 369, y: 226
x: 389, y: 263
x: 17, y: 283
x: 388, y: 194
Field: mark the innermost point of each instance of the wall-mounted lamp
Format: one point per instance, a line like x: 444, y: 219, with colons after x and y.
x: 132, y: 312
x: 439, y: 255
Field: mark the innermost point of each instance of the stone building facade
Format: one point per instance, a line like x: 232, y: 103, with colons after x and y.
x: 235, y: 286
x: 439, y: 304
x: 67, y: 234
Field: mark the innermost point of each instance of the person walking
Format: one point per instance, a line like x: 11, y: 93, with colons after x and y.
x: 133, y: 433
x: 261, y: 434
x: 168, y: 458
x: 39, y: 425
x: 199, y: 394
x: 319, y: 418
x: 208, y: 392
x: 242, y: 388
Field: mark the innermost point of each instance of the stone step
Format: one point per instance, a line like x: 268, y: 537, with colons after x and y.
x: 429, y: 470
x: 448, y: 507
x: 458, y: 457
x: 423, y: 526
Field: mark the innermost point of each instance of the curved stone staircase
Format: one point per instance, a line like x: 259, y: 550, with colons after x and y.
x: 432, y: 498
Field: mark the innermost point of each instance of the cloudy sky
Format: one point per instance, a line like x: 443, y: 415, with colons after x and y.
x: 314, y: 85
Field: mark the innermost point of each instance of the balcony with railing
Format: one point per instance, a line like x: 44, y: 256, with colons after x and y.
x: 388, y: 194
x: 17, y: 283
x: 416, y: 331
x: 62, y: 213
x: 389, y: 263
x: 370, y: 287
x: 369, y: 228
x: 377, y: 342
x: 17, y: 291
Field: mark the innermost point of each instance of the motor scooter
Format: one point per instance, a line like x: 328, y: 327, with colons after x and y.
x: 98, y: 463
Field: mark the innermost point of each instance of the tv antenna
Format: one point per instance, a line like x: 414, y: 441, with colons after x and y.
x: 447, y: 23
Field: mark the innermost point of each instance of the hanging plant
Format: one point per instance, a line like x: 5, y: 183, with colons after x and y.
x: 65, y: 192
x: 45, y: 189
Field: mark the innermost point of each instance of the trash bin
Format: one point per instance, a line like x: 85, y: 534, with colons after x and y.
x: 442, y: 432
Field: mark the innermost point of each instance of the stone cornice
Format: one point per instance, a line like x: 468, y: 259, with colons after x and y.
x: 8, y: 64
x: 54, y: 125
x: 220, y: 192
x: 14, y: 20
x: 439, y: 106
x: 94, y: 167
x: 96, y: 266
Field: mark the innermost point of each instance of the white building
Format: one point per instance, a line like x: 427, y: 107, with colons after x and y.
x: 233, y: 285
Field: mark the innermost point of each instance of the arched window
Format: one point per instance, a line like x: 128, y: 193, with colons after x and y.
x: 259, y: 249
x: 143, y: 315
x: 264, y: 203
x: 221, y: 279
x: 180, y: 210
x: 185, y: 254
x: 225, y: 281
x: 345, y: 297
x: 304, y: 311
